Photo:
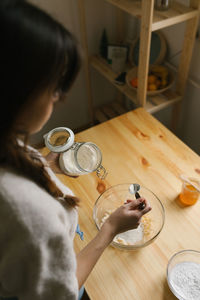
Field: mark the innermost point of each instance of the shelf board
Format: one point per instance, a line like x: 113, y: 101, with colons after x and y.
x: 153, y: 103
x: 103, y: 67
x: 109, y: 111
x: 177, y: 13
x: 161, y: 101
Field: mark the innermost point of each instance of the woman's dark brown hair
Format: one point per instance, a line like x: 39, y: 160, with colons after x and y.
x: 36, y: 53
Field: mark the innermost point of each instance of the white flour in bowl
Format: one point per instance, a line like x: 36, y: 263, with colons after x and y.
x: 185, y: 280
x: 130, y: 237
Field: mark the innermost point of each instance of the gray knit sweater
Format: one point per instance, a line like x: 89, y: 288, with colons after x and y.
x: 37, y: 259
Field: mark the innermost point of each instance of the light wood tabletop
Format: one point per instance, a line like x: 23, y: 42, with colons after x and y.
x: 138, y: 148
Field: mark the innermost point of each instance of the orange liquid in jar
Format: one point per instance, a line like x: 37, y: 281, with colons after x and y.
x: 189, y: 195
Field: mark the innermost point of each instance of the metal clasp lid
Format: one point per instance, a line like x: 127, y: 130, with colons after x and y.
x: 59, y: 139
x: 101, y: 172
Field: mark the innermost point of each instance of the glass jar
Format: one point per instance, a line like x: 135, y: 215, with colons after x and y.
x: 189, y: 194
x: 75, y: 158
x: 162, y: 4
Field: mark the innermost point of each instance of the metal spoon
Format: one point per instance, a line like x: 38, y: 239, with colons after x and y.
x: 133, y: 189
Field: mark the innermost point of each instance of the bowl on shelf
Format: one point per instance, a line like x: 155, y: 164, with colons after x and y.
x: 151, y: 223
x: 160, y: 79
x: 183, y: 274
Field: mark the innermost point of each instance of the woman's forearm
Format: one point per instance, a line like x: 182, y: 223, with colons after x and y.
x: 124, y: 218
x: 87, y: 258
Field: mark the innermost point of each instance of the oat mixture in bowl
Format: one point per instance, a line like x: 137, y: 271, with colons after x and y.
x: 151, y: 223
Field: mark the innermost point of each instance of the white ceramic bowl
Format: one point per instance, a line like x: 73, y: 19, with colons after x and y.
x: 152, y: 222
x: 179, y: 261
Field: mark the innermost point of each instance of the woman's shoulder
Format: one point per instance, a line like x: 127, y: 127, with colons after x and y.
x: 28, y: 202
x: 40, y: 230
x: 16, y: 187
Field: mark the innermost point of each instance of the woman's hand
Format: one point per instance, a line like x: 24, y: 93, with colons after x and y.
x: 53, y: 161
x: 126, y: 217
x: 122, y: 219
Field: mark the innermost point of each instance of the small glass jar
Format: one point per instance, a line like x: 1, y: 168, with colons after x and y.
x: 162, y: 4
x: 75, y: 158
x: 189, y: 194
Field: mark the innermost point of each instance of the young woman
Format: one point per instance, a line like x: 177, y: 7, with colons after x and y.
x: 39, y: 62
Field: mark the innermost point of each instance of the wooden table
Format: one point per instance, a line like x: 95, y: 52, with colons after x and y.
x: 138, y: 148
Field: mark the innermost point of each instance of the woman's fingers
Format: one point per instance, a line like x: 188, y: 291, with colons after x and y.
x: 133, y: 204
x: 53, y: 161
x: 127, y: 201
x: 146, y: 209
x: 140, y: 204
x: 52, y: 156
x: 147, y: 206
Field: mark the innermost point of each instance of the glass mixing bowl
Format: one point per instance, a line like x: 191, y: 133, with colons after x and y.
x: 151, y: 223
x: 183, y: 274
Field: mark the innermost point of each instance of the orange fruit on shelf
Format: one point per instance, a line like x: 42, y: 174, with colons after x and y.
x: 134, y: 82
x: 151, y: 79
x: 164, y: 83
x: 152, y: 87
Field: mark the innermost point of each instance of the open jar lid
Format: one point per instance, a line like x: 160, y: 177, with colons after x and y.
x: 59, y: 139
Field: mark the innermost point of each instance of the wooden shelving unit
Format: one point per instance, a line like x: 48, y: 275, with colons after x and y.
x: 151, y: 20
x: 161, y: 19
x: 153, y: 103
